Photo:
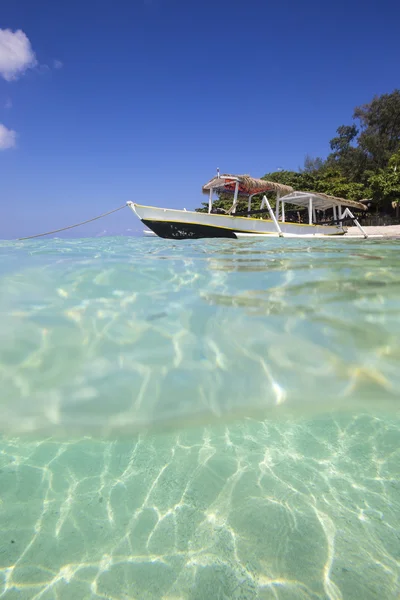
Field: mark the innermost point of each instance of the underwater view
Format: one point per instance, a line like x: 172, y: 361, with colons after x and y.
x: 205, y: 419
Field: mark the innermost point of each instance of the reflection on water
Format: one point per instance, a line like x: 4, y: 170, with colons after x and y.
x: 118, y: 335
x: 271, y: 366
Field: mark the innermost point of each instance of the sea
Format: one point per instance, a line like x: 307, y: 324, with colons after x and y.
x: 200, y: 419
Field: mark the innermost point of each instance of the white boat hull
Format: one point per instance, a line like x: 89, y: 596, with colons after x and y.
x: 181, y: 224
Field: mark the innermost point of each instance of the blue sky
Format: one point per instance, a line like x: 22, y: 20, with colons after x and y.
x: 142, y: 100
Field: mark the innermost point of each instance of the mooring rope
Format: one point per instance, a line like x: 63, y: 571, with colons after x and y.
x: 72, y: 226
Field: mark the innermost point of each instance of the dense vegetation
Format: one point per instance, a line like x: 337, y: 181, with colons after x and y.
x: 364, y: 162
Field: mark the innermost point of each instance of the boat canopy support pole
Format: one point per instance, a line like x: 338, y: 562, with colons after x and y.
x: 210, y: 200
x: 310, y: 211
x: 348, y: 212
x: 249, y: 204
x: 278, y: 199
x: 271, y: 214
x: 235, y: 198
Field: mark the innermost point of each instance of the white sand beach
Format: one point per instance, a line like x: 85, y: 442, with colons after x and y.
x: 384, y: 230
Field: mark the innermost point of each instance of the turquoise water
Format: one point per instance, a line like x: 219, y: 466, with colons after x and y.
x: 202, y: 419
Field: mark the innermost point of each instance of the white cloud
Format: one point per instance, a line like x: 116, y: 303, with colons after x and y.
x: 57, y: 64
x: 8, y: 138
x: 16, y: 54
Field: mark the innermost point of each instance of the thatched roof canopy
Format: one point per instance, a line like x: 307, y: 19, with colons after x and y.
x: 247, y: 185
x: 320, y: 201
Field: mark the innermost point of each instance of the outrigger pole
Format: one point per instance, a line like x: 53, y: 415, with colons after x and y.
x: 348, y: 212
x: 266, y: 203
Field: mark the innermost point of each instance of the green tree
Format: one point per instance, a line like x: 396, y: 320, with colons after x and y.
x: 345, y: 157
x: 303, y: 180
x: 364, y: 161
x: 332, y: 181
x: 342, y: 143
x: 385, y: 184
x: 380, y: 128
x: 328, y: 180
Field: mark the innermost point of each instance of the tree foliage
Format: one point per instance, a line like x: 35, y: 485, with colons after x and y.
x: 385, y: 183
x: 380, y: 128
x: 364, y: 162
x: 328, y: 180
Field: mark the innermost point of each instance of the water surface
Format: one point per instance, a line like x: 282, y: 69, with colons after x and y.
x: 200, y: 419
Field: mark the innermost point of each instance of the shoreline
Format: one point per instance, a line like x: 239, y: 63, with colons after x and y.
x: 389, y: 231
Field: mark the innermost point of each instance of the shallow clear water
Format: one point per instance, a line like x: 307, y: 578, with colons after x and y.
x: 202, y: 419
